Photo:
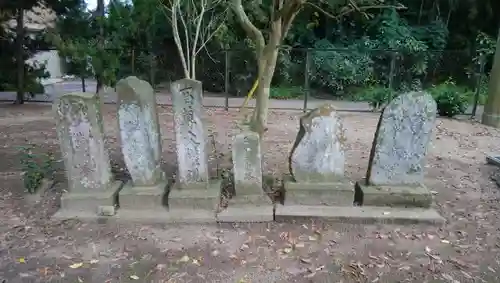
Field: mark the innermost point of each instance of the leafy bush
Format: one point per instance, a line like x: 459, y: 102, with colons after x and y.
x: 285, y: 92
x: 35, y: 168
x: 451, y: 99
x: 377, y: 96
x: 335, y: 70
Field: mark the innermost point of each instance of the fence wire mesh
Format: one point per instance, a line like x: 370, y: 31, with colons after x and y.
x: 304, y: 75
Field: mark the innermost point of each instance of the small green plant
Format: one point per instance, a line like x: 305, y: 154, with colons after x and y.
x: 285, y: 92
x: 35, y: 167
x: 376, y: 96
x: 451, y: 99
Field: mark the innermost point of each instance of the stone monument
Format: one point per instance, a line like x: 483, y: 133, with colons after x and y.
x: 141, y: 146
x: 317, y: 162
x: 193, y: 189
x: 397, y: 158
x: 250, y: 203
x: 92, y: 190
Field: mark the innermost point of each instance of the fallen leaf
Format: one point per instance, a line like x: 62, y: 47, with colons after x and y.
x: 76, y: 265
x: 299, y: 245
x: 22, y: 260
x: 313, y: 238
x: 185, y: 258
x: 305, y: 260
x: 134, y: 277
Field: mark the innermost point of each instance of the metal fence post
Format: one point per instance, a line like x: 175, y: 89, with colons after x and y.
x: 152, y: 68
x: 226, y: 79
x: 479, y: 77
x: 392, y: 72
x: 82, y: 78
x: 306, y: 79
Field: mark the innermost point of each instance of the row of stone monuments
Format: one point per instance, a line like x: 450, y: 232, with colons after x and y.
x: 316, y: 185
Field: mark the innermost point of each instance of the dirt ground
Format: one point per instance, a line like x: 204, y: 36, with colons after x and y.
x: 34, y: 248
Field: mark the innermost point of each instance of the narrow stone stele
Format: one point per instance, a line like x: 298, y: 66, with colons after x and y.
x: 249, y: 203
x: 141, y: 147
x: 397, y: 159
x: 193, y: 193
x: 91, y: 186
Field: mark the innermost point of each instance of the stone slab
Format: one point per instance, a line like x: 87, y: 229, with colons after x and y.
x: 143, y: 197
x: 318, y: 153
x: 201, y: 196
x: 493, y: 159
x: 88, y: 203
x: 246, y: 214
x: 339, y: 193
x: 159, y: 216
x: 399, y: 148
x: 360, y: 215
x: 394, y: 196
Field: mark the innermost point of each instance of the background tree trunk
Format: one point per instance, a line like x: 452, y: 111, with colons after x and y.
x: 267, y: 66
x: 100, y: 14
x: 19, y: 56
x: 491, y: 114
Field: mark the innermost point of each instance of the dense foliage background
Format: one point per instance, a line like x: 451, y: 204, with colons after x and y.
x: 429, y: 44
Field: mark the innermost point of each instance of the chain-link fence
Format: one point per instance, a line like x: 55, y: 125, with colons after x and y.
x: 305, y: 75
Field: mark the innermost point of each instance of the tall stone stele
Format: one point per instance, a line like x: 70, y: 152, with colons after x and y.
x: 141, y: 145
x: 317, y: 161
x: 92, y: 189
x: 193, y: 188
x: 397, y: 158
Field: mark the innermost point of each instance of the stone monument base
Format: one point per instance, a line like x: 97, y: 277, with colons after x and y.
x: 248, y: 208
x: 163, y: 216
x: 143, y: 197
x: 196, y: 203
x: 339, y: 193
x: 393, y: 196
x: 89, y: 205
x: 359, y: 214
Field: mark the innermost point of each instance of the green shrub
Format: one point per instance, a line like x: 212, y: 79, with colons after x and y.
x: 376, y: 96
x: 451, y: 99
x: 35, y: 167
x: 333, y: 70
x: 285, y: 92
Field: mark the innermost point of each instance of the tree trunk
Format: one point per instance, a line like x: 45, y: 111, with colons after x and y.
x: 267, y: 65
x: 491, y: 114
x: 19, y: 56
x: 100, y: 14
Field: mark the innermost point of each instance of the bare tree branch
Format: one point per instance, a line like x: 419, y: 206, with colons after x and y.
x: 353, y: 8
x: 251, y: 30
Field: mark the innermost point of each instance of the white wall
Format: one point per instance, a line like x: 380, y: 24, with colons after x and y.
x: 52, y: 61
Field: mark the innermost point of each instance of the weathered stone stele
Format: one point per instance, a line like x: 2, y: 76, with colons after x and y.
x: 190, y: 133
x: 139, y: 131
x: 318, y: 152
x: 194, y: 197
x: 250, y: 203
x: 397, y: 158
x: 81, y: 135
x: 247, y: 163
x: 317, y: 161
x: 141, y: 145
x: 401, y: 140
